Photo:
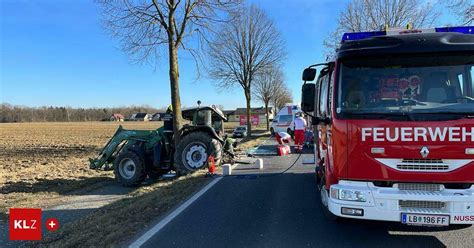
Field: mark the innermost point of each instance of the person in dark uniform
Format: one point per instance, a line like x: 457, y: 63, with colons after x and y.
x: 168, y: 120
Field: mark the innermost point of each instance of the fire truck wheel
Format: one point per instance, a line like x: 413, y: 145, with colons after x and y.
x: 324, y: 197
x: 129, y: 169
x: 193, y: 152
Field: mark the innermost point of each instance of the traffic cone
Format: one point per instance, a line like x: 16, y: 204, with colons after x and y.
x: 211, y: 166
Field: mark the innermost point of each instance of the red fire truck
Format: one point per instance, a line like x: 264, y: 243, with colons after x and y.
x: 395, y: 117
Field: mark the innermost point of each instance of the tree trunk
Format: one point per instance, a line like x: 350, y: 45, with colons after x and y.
x: 249, y: 123
x: 267, y: 115
x: 174, y: 85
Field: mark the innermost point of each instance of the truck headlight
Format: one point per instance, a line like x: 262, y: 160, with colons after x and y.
x: 348, y: 195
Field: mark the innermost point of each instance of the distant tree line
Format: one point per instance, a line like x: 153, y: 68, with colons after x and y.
x: 15, y: 113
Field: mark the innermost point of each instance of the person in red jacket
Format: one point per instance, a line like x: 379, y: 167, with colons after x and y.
x: 299, y: 127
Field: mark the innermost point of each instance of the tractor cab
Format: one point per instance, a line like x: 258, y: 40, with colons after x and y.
x: 209, y: 116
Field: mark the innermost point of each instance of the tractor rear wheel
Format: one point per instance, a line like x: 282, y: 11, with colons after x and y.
x: 129, y: 169
x: 194, y: 150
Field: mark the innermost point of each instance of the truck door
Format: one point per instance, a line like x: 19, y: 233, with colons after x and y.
x: 324, y: 125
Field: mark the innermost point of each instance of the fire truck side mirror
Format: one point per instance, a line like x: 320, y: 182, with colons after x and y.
x: 307, y: 97
x: 309, y: 74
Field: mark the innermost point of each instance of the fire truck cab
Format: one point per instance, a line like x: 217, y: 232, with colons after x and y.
x: 395, y: 116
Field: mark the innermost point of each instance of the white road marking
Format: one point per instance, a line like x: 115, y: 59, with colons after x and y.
x: 155, y: 229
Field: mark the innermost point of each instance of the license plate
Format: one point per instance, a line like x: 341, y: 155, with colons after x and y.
x: 425, y: 219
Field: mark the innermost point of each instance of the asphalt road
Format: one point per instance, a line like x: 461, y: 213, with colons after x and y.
x: 261, y: 209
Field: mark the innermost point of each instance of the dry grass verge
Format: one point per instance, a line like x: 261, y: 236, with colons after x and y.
x: 117, y: 222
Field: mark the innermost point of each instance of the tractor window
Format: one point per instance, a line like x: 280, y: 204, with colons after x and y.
x: 203, y: 117
x: 217, y: 125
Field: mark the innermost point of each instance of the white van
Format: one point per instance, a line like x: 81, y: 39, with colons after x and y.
x: 283, y: 119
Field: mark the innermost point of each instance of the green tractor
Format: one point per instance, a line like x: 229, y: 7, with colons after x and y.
x: 136, y: 154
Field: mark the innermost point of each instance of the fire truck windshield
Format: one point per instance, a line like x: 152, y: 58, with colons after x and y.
x: 406, y: 85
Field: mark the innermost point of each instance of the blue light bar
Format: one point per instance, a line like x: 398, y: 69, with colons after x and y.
x: 365, y: 35
x: 464, y: 30
x: 361, y: 35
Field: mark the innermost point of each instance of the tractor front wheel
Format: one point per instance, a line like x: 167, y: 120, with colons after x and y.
x: 194, y: 150
x: 129, y: 169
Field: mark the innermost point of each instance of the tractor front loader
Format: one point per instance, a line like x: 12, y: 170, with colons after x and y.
x: 136, y: 154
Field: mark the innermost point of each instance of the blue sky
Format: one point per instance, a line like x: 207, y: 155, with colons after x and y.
x: 55, y: 52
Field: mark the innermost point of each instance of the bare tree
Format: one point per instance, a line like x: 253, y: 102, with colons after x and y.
x: 281, y: 97
x: 462, y: 8
x: 371, y: 15
x: 143, y: 27
x: 266, y: 85
x: 243, y: 49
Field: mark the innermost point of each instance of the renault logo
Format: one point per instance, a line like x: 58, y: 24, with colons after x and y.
x: 424, y: 152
